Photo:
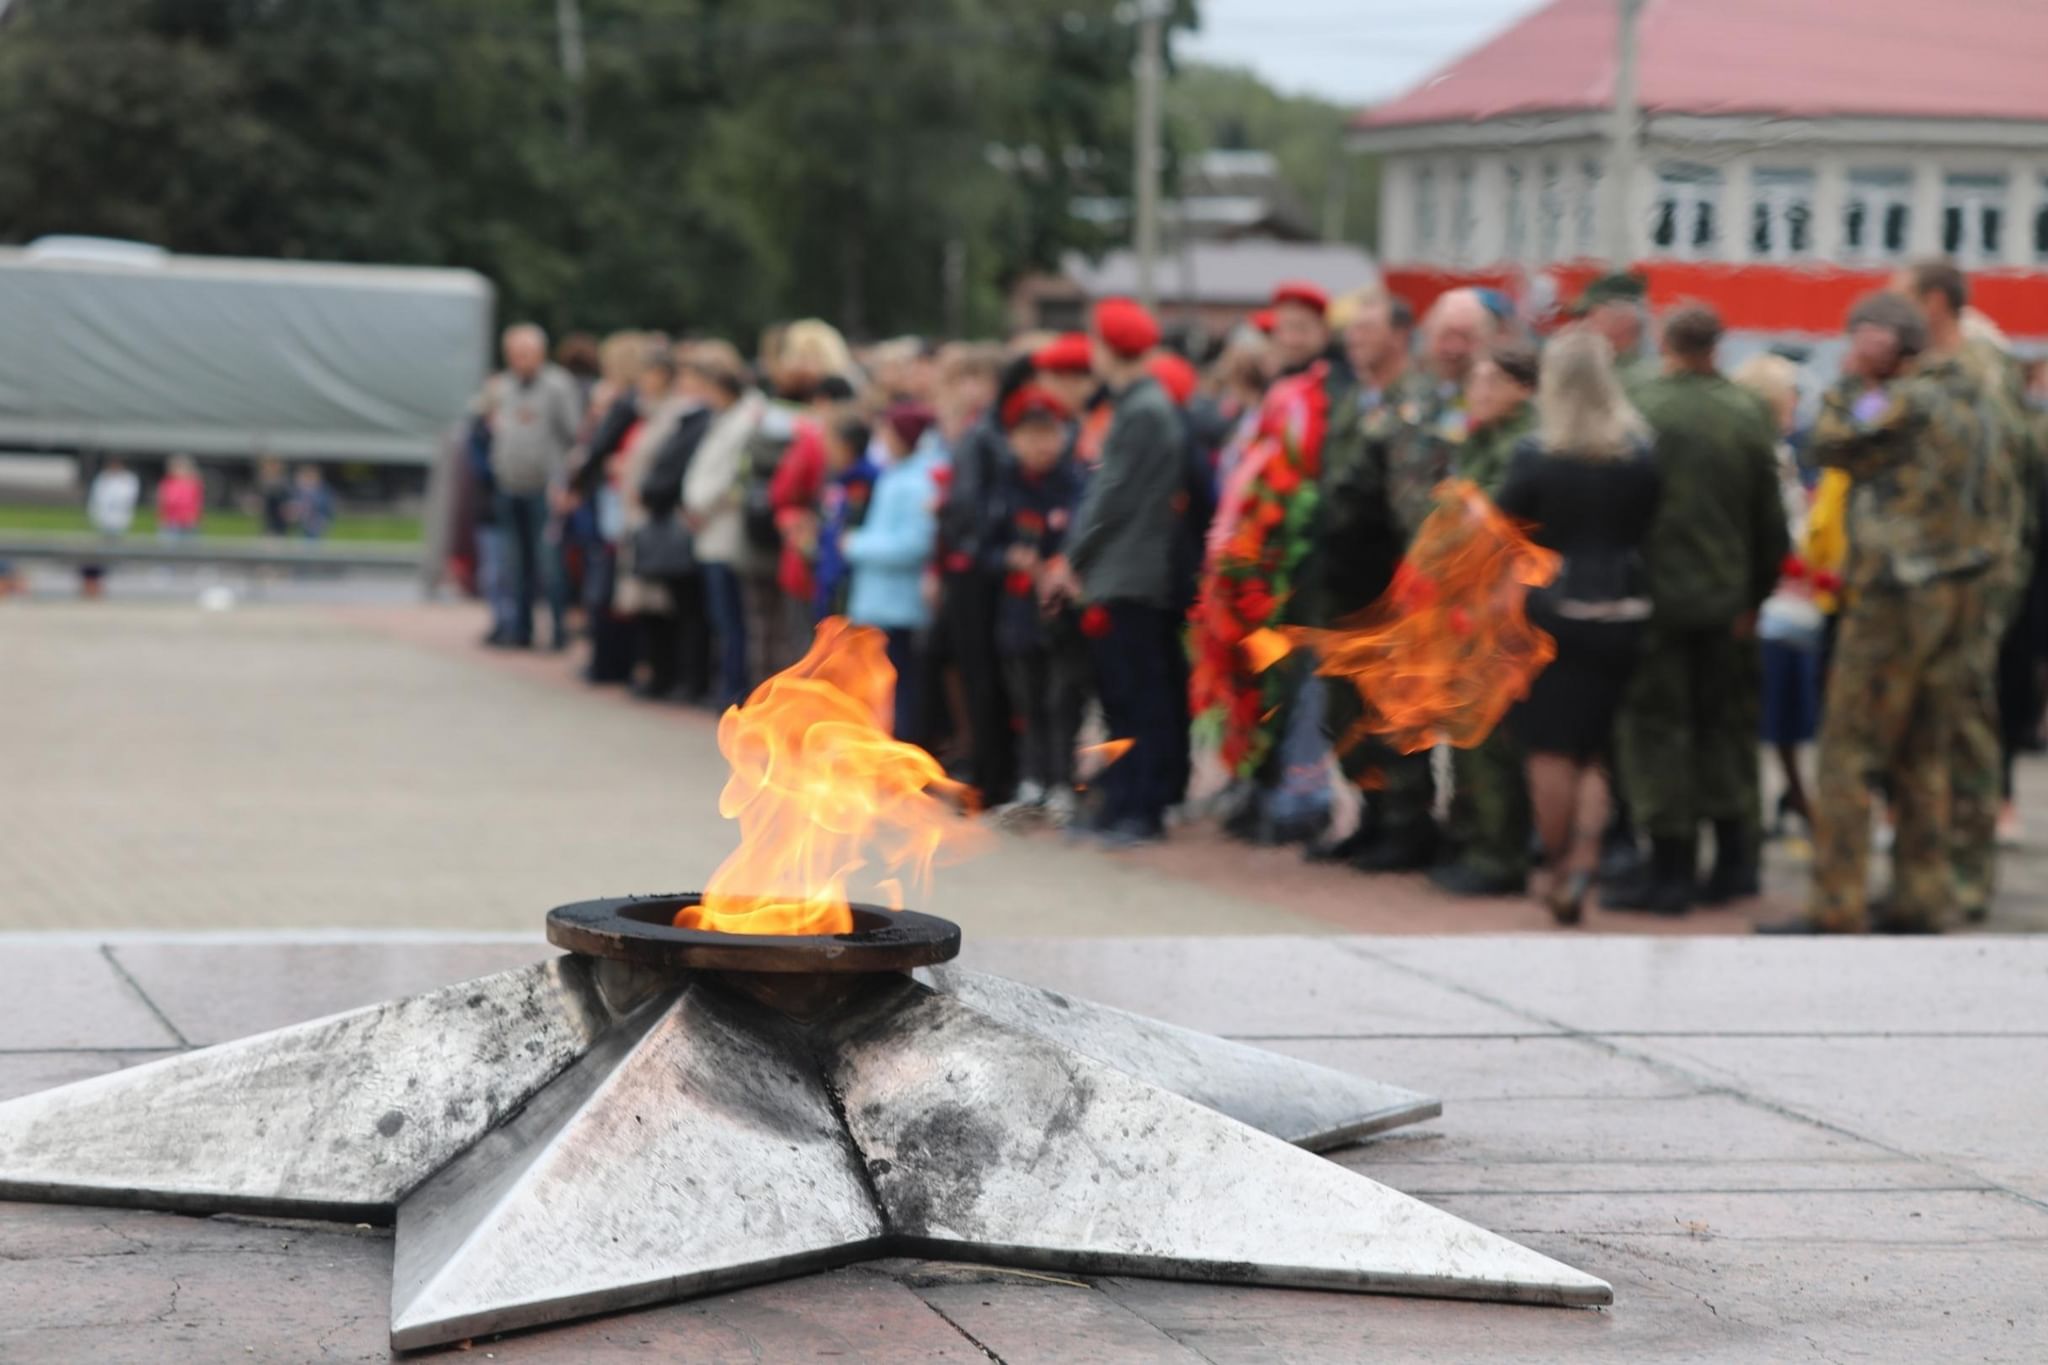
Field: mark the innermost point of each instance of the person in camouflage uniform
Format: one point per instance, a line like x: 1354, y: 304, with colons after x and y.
x: 1490, y: 819
x: 1687, y: 733
x: 1919, y: 442
x: 1383, y: 460
x: 1976, y: 766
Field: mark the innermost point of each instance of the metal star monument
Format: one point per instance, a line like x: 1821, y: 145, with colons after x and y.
x: 662, y: 1113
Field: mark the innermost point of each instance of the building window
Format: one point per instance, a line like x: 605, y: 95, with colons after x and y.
x: 1686, y: 220
x: 1781, y: 215
x: 1587, y: 225
x: 1518, y: 215
x: 1550, y: 213
x: 1425, y: 212
x: 1464, y: 221
x: 1973, y: 218
x: 2041, y: 224
x: 1877, y: 216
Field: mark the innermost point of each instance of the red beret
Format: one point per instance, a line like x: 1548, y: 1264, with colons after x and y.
x: 910, y: 421
x: 1303, y: 293
x: 1125, y: 327
x: 1174, y: 374
x: 1032, y: 401
x: 1263, y: 320
x: 1066, y: 354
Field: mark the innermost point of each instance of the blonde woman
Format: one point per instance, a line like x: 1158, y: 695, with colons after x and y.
x: 809, y: 351
x: 1586, y: 485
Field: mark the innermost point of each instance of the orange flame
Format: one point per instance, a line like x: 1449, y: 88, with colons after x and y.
x: 817, y: 784
x: 1448, y: 647
x: 1109, y: 751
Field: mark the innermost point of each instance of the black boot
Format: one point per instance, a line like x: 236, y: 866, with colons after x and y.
x: 1410, y: 849
x: 1735, y: 875
x: 1665, y: 885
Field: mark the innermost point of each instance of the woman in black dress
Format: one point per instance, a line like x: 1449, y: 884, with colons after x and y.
x: 1587, y: 485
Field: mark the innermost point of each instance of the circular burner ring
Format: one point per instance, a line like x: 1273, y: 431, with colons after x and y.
x: 640, y: 930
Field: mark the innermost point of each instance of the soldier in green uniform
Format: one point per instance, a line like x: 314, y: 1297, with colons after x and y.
x: 1617, y: 307
x: 1489, y: 826
x: 1918, y: 443
x: 1976, y: 767
x: 1687, y: 734
x: 1381, y: 465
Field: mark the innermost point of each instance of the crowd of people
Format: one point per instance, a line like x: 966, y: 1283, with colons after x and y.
x: 1087, y: 521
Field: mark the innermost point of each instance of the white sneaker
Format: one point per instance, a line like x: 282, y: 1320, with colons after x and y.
x: 1029, y: 793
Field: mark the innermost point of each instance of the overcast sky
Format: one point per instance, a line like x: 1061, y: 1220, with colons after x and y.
x: 1353, y: 51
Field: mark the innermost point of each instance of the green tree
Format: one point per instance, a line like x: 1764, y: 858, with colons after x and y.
x: 1228, y: 108
x: 881, y: 162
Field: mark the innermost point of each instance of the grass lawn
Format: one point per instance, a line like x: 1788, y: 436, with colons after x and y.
x: 379, y: 527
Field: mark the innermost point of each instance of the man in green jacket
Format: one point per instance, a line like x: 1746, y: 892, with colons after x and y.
x: 1489, y: 826
x: 1687, y: 732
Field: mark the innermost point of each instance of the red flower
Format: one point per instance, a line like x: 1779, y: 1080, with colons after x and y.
x: 1095, y: 622
x: 1255, y: 603
x: 1017, y: 583
x: 1281, y: 476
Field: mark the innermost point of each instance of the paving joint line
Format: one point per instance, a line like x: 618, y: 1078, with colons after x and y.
x: 107, y: 952
x: 969, y: 1337
x: 1706, y: 1084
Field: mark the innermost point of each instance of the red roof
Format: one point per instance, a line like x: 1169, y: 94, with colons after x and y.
x: 1801, y: 58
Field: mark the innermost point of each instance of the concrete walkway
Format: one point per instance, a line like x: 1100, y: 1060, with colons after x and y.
x: 1774, y: 1150
x: 301, y: 765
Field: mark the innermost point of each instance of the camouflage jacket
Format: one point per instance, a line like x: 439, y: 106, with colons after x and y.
x: 2013, y: 477
x: 1359, y: 536
x: 1484, y: 456
x: 1719, y: 538
x: 1920, y: 455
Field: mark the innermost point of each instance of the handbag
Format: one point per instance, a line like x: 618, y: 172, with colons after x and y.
x: 664, y: 549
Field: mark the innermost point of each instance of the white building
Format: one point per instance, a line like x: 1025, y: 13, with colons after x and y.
x: 1792, y: 152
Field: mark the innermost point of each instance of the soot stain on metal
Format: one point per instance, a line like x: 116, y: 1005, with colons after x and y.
x: 936, y: 1179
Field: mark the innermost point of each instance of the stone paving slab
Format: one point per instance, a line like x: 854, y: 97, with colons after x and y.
x: 213, y: 992
x: 1266, y: 987
x: 71, y: 995
x: 1901, y: 1091
x: 1834, y: 1195
x: 1744, y: 986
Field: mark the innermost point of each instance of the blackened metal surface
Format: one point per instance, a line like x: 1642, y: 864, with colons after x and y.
x: 639, y: 929
x: 987, y: 1142
x: 1299, y: 1102
x: 693, y: 1149
x: 337, y: 1117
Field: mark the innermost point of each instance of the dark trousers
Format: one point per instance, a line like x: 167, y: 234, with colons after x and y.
x: 724, y: 605
x: 967, y: 614
x: 1047, y: 685
x: 907, y: 658
x: 1134, y: 674
x: 523, y: 522
x: 1180, y: 767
